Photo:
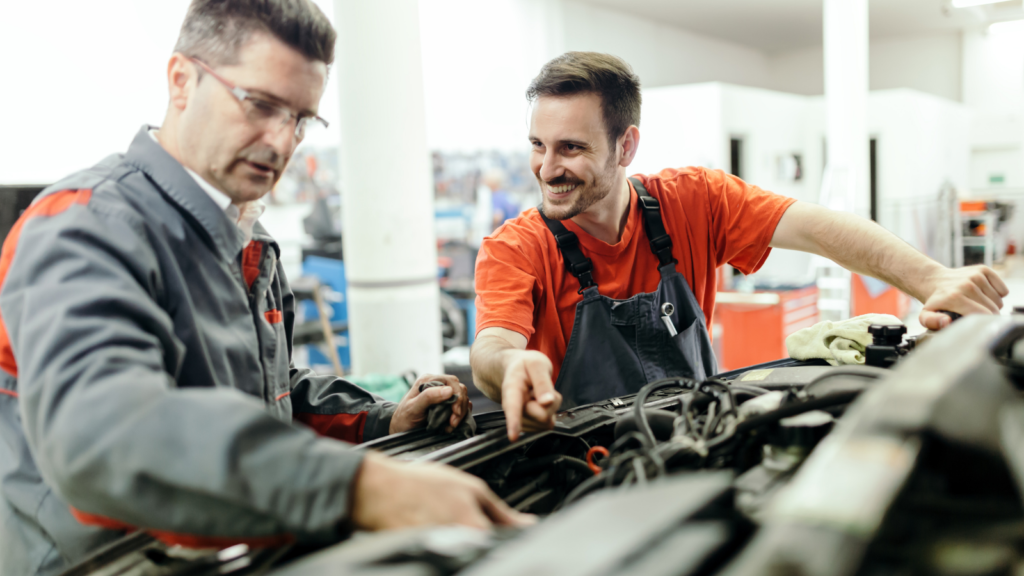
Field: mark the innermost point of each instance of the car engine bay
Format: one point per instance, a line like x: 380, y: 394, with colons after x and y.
x: 783, y: 468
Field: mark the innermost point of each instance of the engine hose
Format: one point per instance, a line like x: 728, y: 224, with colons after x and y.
x: 785, y: 412
x: 794, y: 409
x: 748, y: 389
x: 662, y: 423
x: 852, y: 370
x: 583, y: 488
x: 641, y: 398
x: 552, y: 460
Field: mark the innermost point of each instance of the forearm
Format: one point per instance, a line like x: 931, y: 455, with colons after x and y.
x: 200, y: 462
x: 859, y: 245
x: 488, y: 361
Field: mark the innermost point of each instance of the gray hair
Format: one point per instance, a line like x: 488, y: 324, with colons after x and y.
x: 214, y: 30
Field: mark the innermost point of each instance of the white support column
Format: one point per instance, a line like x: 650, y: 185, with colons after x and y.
x: 387, y: 189
x: 845, y: 182
x: 846, y: 92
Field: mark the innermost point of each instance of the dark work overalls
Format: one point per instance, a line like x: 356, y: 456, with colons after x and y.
x: 617, y: 346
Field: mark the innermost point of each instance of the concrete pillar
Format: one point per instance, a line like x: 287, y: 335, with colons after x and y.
x: 846, y: 92
x: 386, y: 189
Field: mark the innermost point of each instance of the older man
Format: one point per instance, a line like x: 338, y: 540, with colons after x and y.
x: 145, y: 346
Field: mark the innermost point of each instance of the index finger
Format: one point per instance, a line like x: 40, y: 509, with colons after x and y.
x: 540, y: 380
x: 512, y: 405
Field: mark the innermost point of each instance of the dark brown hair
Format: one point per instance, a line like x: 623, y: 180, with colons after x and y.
x: 214, y: 30
x: 602, y: 74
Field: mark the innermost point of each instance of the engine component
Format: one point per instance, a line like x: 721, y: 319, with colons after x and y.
x: 887, y: 345
x: 602, y: 534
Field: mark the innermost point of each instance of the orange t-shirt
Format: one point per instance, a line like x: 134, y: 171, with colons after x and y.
x: 713, y: 219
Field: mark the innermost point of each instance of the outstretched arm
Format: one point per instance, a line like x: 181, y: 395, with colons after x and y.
x: 518, y: 378
x: 864, y: 247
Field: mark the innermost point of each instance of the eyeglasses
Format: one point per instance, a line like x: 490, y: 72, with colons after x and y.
x: 266, y: 114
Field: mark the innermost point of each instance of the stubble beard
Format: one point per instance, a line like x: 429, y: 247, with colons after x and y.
x: 243, y: 187
x: 586, y: 194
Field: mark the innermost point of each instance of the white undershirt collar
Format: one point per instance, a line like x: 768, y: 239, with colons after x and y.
x: 219, y: 198
x: 244, y: 217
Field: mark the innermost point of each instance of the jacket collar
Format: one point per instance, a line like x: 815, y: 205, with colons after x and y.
x: 175, y: 183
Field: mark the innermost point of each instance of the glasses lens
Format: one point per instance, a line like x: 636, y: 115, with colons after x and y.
x: 308, y: 125
x: 261, y: 112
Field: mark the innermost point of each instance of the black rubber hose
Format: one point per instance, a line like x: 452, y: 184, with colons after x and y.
x: 551, y: 460
x: 583, y: 489
x: 866, y: 372
x: 862, y: 371
x: 661, y: 422
x: 747, y: 388
x: 794, y: 409
x: 641, y: 398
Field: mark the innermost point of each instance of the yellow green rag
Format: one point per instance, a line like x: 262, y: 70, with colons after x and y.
x: 837, y: 343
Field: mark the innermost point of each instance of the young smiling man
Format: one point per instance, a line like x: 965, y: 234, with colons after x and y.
x: 145, y: 345
x: 612, y: 283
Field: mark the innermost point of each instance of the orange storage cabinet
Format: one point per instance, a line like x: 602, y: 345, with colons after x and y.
x: 751, y: 333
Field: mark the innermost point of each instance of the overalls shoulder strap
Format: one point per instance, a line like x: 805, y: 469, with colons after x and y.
x: 569, y: 244
x: 661, y: 242
x: 582, y: 267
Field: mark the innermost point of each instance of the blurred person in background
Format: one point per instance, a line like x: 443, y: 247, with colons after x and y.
x: 503, y: 205
x: 494, y: 205
x: 612, y: 284
x: 145, y: 347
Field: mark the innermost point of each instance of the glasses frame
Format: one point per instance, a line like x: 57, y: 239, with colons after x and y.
x: 242, y: 95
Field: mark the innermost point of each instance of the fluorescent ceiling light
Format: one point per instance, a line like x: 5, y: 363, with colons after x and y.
x: 969, y: 3
x: 1010, y: 27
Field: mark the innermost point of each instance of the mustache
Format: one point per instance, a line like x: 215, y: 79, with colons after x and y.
x: 265, y: 156
x: 562, y: 180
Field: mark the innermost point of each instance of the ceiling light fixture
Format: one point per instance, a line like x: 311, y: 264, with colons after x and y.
x: 1010, y: 28
x: 971, y: 3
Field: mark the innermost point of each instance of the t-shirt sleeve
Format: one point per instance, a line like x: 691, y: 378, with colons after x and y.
x: 743, y: 220
x: 505, y: 286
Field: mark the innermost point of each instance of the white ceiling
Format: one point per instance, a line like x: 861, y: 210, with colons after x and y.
x: 778, y: 25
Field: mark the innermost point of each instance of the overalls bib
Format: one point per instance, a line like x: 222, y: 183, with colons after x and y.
x: 618, y: 346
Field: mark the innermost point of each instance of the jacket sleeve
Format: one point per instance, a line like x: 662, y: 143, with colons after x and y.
x: 108, y: 428
x: 337, y: 408
x: 330, y: 405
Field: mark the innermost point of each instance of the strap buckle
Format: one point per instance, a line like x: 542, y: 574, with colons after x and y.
x: 584, y: 272
x: 567, y: 240
x: 650, y: 203
x: 580, y: 268
x: 661, y: 242
x: 586, y: 281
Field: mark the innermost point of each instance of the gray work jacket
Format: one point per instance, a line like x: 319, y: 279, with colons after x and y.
x: 146, y: 376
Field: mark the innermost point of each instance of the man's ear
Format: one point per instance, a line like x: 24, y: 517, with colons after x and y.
x: 181, y: 80
x: 629, y: 141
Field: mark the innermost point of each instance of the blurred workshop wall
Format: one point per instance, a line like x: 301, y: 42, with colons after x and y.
x: 478, y: 58
x: 80, y: 78
x: 661, y: 54
x: 929, y: 63
x: 994, y: 87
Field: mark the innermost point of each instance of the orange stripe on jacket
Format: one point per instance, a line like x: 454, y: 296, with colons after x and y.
x: 186, y: 540
x: 251, y: 257
x: 50, y: 205
x: 347, y: 427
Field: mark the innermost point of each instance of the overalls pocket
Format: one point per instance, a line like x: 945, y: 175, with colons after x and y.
x: 688, y: 343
